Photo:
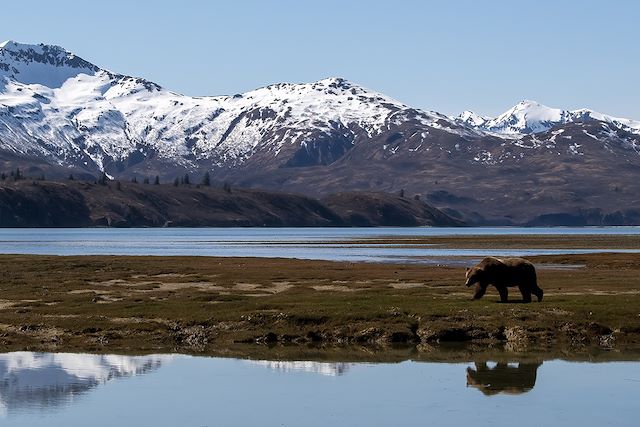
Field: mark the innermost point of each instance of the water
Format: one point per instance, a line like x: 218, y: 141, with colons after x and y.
x: 172, y: 390
x: 304, y: 243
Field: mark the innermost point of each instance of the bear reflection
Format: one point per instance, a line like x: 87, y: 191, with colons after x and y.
x: 503, y: 377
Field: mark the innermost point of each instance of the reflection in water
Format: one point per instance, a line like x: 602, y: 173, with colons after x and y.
x: 48, y: 380
x: 322, y: 368
x: 39, y: 389
x: 503, y: 377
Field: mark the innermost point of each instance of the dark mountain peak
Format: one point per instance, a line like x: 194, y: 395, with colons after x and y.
x: 47, y: 65
x: 42, y: 54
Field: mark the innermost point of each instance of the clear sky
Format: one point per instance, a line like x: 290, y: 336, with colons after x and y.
x: 442, y: 55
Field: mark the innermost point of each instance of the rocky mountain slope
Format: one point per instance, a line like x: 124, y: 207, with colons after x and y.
x: 60, y: 114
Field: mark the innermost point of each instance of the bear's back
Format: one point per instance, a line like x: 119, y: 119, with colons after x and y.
x: 517, y: 262
x: 507, y: 271
x: 493, y: 263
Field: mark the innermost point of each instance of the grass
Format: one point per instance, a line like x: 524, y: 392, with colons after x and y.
x: 205, y: 304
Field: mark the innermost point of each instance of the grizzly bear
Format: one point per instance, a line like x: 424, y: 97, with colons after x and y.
x: 502, y: 273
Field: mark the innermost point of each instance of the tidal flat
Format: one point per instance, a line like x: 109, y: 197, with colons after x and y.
x: 241, y: 306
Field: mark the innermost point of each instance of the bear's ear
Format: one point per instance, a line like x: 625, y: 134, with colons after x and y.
x: 467, y: 270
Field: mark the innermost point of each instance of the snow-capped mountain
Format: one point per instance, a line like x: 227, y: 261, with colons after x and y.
x: 472, y: 119
x: 59, y: 106
x: 61, y: 114
x: 529, y: 117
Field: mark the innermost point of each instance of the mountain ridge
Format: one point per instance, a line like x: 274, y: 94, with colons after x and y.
x: 527, y: 117
x: 314, y: 138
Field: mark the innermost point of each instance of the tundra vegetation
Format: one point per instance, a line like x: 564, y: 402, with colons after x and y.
x: 208, y: 304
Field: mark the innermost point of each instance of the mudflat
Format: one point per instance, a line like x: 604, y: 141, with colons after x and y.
x: 207, y: 304
x: 510, y: 241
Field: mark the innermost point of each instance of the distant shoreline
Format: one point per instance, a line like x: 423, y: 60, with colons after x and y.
x: 428, y: 246
x: 115, y: 204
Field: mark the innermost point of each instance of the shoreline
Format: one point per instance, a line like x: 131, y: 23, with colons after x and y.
x: 439, y: 353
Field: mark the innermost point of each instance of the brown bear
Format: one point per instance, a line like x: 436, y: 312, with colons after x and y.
x: 504, y: 272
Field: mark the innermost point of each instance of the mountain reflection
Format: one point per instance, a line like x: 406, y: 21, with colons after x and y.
x: 48, y: 380
x: 322, y: 368
x: 503, y: 377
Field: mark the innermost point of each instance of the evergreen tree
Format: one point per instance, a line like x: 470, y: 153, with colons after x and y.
x: 103, y: 179
x: 3, y: 176
x: 226, y: 187
x: 134, y: 180
x: 186, y: 179
x: 70, y: 177
x: 146, y: 180
x: 156, y: 181
x: 118, y: 186
x: 402, y: 193
x: 206, y: 179
x: 176, y: 182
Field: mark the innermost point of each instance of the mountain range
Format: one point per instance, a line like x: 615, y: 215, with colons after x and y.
x: 532, y: 165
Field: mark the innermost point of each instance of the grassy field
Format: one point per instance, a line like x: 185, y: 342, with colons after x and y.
x: 211, y: 305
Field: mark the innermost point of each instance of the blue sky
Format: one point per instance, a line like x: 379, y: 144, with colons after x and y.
x: 441, y: 55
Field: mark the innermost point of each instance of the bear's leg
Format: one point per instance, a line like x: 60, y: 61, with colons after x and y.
x: 481, y: 366
x: 480, y: 290
x: 534, y: 287
x: 536, y: 290
x: 526, y: 293
x: 504, y: 293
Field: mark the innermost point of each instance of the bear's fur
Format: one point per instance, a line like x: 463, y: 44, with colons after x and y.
x: 503, y: 273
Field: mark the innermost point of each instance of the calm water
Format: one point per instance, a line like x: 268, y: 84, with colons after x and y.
x: 167, y: 390
x: 306, y: 243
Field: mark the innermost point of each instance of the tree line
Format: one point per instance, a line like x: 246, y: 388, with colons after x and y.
x: 104, y: 179
x: 17, y: 175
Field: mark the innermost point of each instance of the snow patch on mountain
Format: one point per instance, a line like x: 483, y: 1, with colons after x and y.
x: 472, y: 119
x: 526, y: 117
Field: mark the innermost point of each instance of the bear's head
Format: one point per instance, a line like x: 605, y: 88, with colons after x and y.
x: 474, y: 275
